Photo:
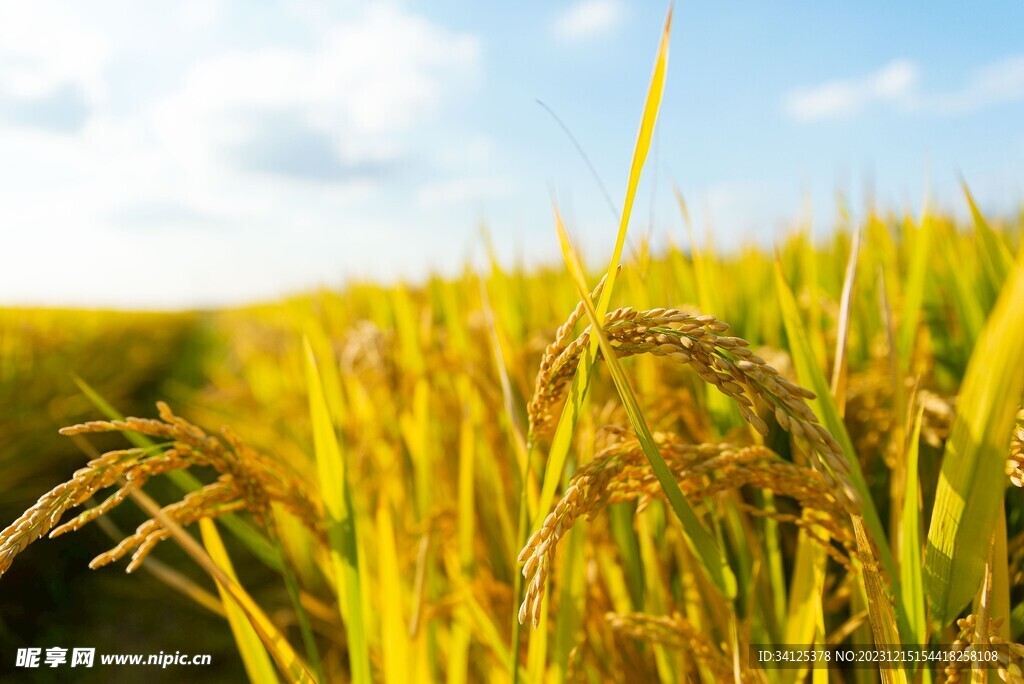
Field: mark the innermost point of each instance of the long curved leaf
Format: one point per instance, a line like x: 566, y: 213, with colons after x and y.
x: 341, y: 530
x: 972, y: 480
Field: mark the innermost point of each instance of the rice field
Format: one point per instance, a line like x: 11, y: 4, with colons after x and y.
x: 645, y: 470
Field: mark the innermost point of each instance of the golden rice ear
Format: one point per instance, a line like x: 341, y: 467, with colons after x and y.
x: 248, y: 481
x: 676, y: 632
x: 721, y: 360
x: 1015, y: 464
x: 539, y: 407
x: 621, y: 473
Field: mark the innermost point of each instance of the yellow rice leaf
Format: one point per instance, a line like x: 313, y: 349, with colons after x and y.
x: 394, y: 632
x: 995, y: 256
x: 341, y: 531
x: 913, y: 290
x: 258, y: 666
x: 806, y: 622
x: 277, y: 646
x: 880, y: 612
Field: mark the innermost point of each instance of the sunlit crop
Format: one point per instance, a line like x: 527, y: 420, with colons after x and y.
x: 511, y: 475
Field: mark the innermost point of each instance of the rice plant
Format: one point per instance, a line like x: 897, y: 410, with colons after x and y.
x: 510, y: 476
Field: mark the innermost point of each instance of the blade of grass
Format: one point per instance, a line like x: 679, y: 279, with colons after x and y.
x: 999, y: 590
x: 570, y: 604
x: 487, y: 632
x: 620, y: 523
x: 656, y: 598
x: 537, y: 650
x: 291, y: 582
x: 527, y: 479
x: 333, y: 477
x: 880, y: 613
x: 458, y: 655
x: 257, y: 663
x: 775, y: 570
x: 838, y: 384
x: 806, y: 621
x: 394, y: 631
x: 913, y: 290
x: 972, y: 478
x: 1001, y: 578
x: 995, y: 257
x: 970, y: 309
x: 723, y: 411
x: 911, y: 569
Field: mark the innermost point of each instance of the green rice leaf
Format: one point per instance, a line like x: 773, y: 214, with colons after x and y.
x: 806, y: 621
x: 972, y: 481
x: 913, y: 290
x: 341, y: 531
x: 996, y: 258
x: 258, y: 666
x: 911, y: 588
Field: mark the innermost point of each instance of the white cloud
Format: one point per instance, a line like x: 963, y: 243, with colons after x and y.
x: 893, y: 83
x: 897, y: 84
x: 587, y: 19
x: 991, y: 85
x: 264, y: 148
x: 460, y: 191
x: 196, y: 15
x: 361, y: 86
x: 43, y: 47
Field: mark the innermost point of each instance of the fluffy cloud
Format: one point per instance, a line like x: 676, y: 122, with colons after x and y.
x: 343, y: 103
x: 587, y: 19
x: 233, y: 145
x: 893, y: 83
x: 897, y: 84
x: 44, y: 46
x: 51, y: 64
x: 991, y: 85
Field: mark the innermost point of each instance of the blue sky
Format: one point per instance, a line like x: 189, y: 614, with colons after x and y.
x: 202, y: 153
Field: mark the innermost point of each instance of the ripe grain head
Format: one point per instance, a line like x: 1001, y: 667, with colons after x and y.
x: 247, y: 481
x: 621, y: 473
